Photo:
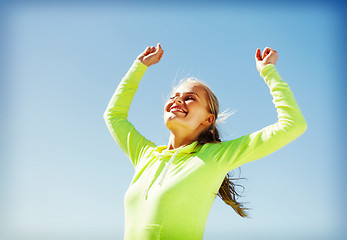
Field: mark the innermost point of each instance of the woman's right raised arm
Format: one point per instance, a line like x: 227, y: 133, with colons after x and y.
x: 125, y: 134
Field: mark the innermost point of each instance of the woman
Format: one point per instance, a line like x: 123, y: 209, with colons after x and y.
x: 174, y: 186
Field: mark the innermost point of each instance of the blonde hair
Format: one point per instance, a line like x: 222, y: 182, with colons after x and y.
x: 227, y: 192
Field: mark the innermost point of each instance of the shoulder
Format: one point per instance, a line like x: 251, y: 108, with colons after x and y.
x: 216, y: 150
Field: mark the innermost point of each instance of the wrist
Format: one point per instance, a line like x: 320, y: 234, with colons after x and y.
x: 144, y: 62
x: 266, y: 69
x: 140, y: 63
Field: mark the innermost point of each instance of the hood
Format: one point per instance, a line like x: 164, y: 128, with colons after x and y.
x: 163, y: 151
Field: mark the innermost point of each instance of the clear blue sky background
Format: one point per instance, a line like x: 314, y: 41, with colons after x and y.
x: 63, y: 176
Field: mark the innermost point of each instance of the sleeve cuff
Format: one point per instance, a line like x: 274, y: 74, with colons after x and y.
x: 265, y: 70
x: 139, y: 65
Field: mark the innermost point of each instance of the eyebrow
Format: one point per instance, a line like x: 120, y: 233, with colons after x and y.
x: 194, y: 93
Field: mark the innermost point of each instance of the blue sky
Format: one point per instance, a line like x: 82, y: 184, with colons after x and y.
x: 64, y: 177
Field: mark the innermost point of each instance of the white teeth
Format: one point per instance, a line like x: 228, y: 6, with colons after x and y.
x: 177, y: 109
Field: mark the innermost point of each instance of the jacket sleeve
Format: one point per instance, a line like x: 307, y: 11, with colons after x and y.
x: 124, y: 133
x: 289, y: 126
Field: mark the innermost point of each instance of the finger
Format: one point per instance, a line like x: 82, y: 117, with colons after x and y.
x: 157, y: 49
x: 266, y: 52
x: 151, y: 49
x: 272, y: 56
x: 267, y: 49
x: 258, y: 55
x: 271, y: 51
x: 161, y: 54
x: 160, y: 51
x: 146, y: 50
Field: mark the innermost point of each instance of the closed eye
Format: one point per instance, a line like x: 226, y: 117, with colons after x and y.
x: 190, y: 98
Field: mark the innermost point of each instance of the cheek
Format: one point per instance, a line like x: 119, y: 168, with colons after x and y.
x: 166, y: 107
x: 166, y: 110
x: 198, y: 113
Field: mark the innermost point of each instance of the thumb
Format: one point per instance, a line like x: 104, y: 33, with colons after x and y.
x: 258, y: 55
x: 158, y: 48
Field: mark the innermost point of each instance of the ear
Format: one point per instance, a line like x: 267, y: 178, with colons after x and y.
x: 209, y: 120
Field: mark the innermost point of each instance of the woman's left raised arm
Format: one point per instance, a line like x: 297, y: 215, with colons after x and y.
x: 289, y: 126
x: 289, y: 115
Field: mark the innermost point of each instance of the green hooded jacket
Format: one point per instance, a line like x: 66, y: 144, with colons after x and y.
x: 172, y: 191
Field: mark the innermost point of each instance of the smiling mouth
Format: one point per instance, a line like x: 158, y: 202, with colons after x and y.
x: 176, y: 109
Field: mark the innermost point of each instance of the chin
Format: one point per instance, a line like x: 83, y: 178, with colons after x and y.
x: 171, y: 121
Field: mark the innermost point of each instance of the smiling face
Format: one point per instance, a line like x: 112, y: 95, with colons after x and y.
x: 188, y: 109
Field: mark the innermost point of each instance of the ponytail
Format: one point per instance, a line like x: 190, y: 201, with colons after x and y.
x: 227, y: 191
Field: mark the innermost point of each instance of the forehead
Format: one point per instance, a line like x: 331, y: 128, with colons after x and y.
x: 190, y: 87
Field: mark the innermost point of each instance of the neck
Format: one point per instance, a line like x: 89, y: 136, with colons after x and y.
x: 177, y: 141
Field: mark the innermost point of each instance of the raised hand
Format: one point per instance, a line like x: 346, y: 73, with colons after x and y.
x: 269, y: 56
x: 151, y: 55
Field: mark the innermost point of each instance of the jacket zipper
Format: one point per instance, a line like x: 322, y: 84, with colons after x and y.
x: 167, y: 167
x: 164, y: 172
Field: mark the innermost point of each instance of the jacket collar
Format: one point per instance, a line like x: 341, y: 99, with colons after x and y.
x: 190, y: 148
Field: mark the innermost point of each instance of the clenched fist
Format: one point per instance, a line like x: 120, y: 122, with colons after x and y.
x: 269, y: 56
x: 151, y: 55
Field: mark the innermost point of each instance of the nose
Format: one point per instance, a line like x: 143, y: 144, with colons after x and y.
x: 178, y: 100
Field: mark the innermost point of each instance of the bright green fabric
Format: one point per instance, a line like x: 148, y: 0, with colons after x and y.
x: 170, y: 197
